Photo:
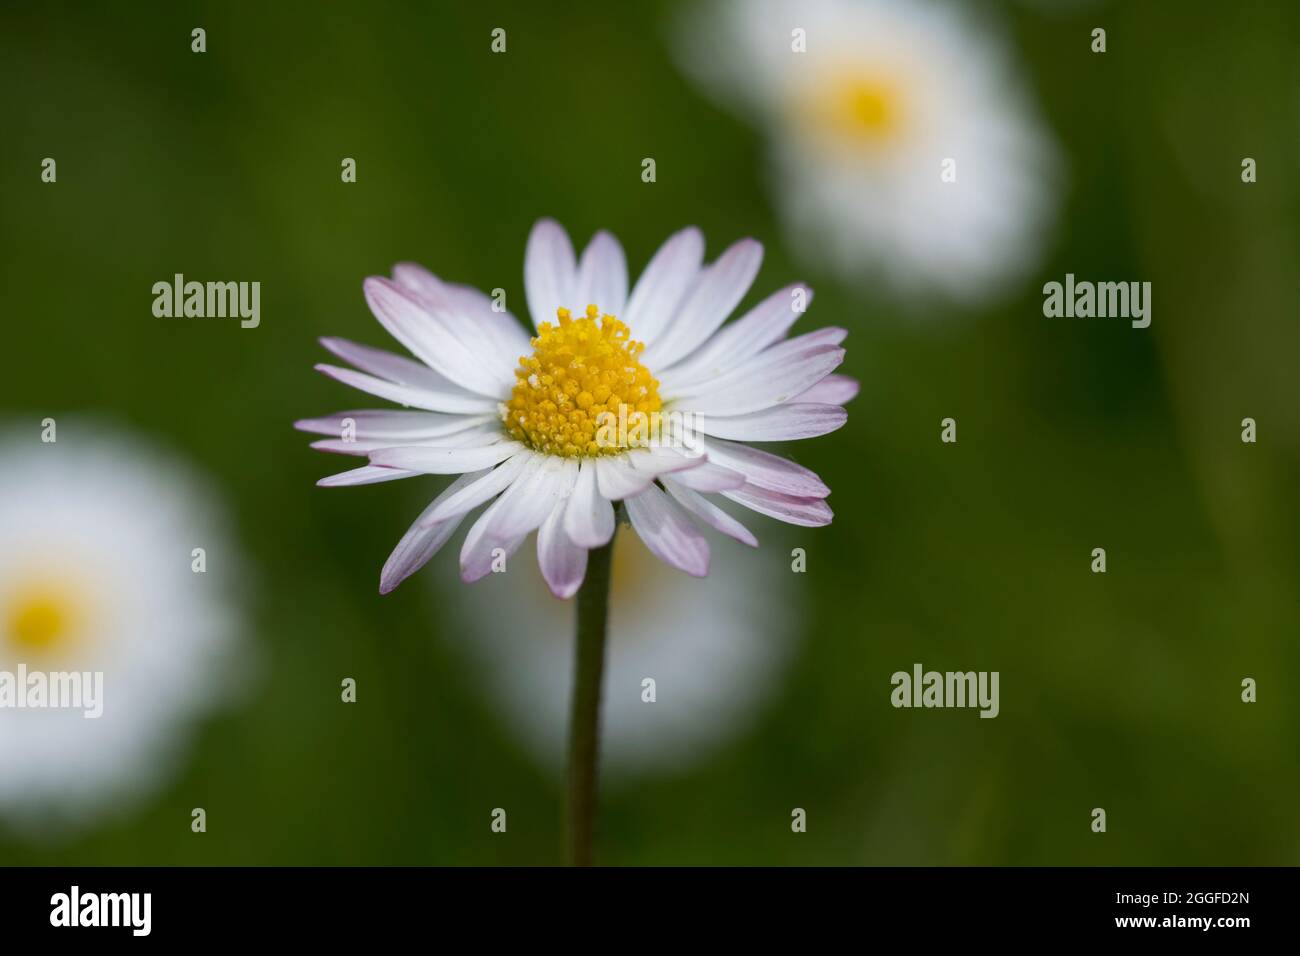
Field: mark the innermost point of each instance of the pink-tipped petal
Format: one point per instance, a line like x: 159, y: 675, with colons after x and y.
x: 340, y: 447
x: 422, y: 540
x: 400, y: 427
x: 397, y: 369
x: 482, y: 546
x: 764, y: 382
x: 710, y: 477
x: 496, y: 345
x: 477, y: 562
x: 766, y: 470
x: 832, y: 390
x: 668, y: 532
x: 763, y: 325
x: 469, y: 304
x: 808, y: 512
x: 787, y: 422
x: 473, y: 437
x: 563, y: 563
x: 445, y: 461
x: 429, y: 338
x: 365, y: 475
x: 457, y: 402
x: 709, y: 513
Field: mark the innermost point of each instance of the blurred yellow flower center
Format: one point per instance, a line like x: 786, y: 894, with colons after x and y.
x: 863, y: 107
x: 583, y: 378
x: 39, y: 618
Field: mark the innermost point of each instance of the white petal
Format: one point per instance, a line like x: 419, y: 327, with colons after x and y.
x: 473, y: 437
x: 717, y: 291
x: 809, y: 512
x: 563, y: 563
x: 709, y: 477
x: 418, y: 279
x: 515, y: 514
x: 397, y: 369
x: 401, y: 427
x: 710, y: 513
x: 763, y: 325
x: 779, y: 423
x: 428, y: 338
x: 423, y: 539
x: 511, y: 336
x: 668, y: 532
x: 665, y: 280
x: 589, y: 517
x: 550, y: 275
x: 766, y: 470
x: 445, y: 461
x: 662, y: 461
x: 602, y: 276
x: 732, y: 370
x: 496, y: 344
x: 457, y: 402
x: 763, y: 382
x: 832, y: 390
x: 467, y: 301
x: 341, y: 447
x: 617, y: 479
x: 525, y: 504
x: 476, y: 554
x: 830, y: 335
x: 470, y: 496
x: 365, y: 475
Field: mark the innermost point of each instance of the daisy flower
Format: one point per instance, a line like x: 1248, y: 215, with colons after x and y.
x: 715, y: 651
x: 642, y: 397
x: 98, y: 576
x: 903, y: 148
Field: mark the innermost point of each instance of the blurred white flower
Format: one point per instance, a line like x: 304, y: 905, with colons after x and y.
x: 97, y: 539
x: 904, y: 149
x: 715, y: 650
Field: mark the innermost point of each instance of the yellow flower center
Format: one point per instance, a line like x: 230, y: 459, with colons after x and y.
x: 863, y: 107
x: 583, y: 391
x: 39, y: 618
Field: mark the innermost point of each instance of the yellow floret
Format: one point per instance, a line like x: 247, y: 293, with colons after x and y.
x: 580, y: 373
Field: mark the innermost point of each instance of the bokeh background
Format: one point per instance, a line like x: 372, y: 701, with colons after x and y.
x: 1119, y: 690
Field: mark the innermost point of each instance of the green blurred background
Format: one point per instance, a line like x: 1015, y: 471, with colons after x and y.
x: 1120, y: 691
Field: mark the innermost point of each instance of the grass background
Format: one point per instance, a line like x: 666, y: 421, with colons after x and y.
x: 1119, y: 691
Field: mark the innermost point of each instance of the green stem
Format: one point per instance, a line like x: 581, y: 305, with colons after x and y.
x: 584, y: 715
